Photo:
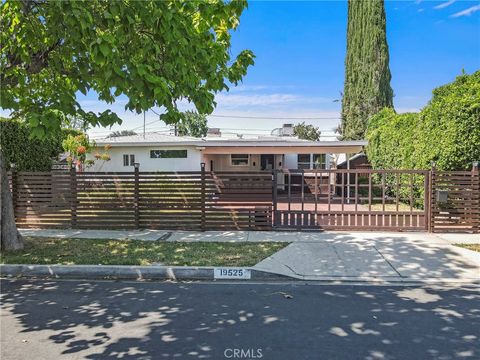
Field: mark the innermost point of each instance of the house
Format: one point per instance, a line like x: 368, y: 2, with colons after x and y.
x: 220, y: 152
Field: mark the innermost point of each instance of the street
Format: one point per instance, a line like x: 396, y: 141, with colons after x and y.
x: 67, y: 319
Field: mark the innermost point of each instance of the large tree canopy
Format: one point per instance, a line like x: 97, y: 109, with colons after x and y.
x: 367, y: 74
x: 153, y: 52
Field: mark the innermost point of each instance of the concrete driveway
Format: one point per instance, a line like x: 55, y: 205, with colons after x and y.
x: 376, y: 257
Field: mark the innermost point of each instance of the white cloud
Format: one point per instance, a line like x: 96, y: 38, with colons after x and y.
x: 254, y: 99
x: 261, y: 100
x: 444, y: 4
x: 467, y: 12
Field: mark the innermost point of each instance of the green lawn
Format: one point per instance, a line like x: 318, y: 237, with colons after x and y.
x: 137, y: 252
x: 474, y: 247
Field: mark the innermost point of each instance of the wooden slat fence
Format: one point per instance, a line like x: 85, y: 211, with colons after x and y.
x: 455, y: 199
x: 343, y: 199
x: 165, y: 200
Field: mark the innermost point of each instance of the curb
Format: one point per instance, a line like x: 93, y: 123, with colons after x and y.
x: 200, y: 273
x: 126, y: 272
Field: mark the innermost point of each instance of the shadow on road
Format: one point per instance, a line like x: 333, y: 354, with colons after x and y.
x: 117, y: 320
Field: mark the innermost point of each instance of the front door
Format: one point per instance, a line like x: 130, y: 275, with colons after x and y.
x: 267, y: 161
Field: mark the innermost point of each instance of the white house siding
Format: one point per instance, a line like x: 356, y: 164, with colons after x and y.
x: 222, y: 162
x: 142, y: 156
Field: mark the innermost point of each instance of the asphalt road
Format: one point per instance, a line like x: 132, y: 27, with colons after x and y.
x: 135, y: 320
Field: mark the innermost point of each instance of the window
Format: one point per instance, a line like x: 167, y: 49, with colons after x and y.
x: 312, y: 161
x: 303, y: 161
x: 319, y: 161
x: 168, y: 154
x: 240, y: 159
x: 128, y: 160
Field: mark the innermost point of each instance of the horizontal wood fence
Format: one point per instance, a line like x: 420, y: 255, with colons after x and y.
x: 180, y: 200
x: 340, y: 199
x: 455, y: 200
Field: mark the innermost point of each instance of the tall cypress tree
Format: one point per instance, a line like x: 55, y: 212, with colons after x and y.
x: 367, y: 87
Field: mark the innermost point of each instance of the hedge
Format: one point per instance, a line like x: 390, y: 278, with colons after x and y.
x: 446, y: 131
x: 26, y: 152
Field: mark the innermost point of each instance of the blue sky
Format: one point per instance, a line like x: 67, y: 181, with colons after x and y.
x: 299, y: 70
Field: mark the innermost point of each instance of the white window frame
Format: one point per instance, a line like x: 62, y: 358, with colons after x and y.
x: 130, y: 159
x: 322, y: 163
x: 248, y: 160
x: 308, y: 164
x: 152, y: 151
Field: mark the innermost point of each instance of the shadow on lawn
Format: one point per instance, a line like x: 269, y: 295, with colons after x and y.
x: 115, y: 320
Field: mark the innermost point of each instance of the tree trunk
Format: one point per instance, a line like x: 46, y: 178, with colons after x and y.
x: 10, y: 238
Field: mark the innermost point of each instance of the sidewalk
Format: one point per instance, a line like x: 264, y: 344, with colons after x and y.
x: 352, y: 256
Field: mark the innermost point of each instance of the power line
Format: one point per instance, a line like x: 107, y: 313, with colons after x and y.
x: 275, y: 118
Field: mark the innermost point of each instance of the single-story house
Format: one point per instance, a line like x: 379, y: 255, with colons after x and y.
x: 155, y: 151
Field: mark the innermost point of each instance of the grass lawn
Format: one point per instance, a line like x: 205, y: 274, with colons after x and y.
x: 474, y: 247
x: 137, y: 252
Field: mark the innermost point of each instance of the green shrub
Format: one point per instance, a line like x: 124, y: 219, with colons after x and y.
x: 27, y: 153
x: 446, y: 131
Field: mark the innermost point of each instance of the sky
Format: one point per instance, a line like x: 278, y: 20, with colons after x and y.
x: 299, y: 68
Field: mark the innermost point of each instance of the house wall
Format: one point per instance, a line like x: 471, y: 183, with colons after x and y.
x: 222, y: 162
x: 142, y: 156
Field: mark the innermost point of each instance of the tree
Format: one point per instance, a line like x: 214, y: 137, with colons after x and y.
x: 153, y: 52
x: 193, y: 124
x: 367, y: 87
x: 121, y: 133
x: 306, y: 132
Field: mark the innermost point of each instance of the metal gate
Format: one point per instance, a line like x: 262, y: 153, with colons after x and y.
x: 348, y: 199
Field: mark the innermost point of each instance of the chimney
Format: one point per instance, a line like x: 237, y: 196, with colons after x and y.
x: 287, y: 130
x: 214, y: 132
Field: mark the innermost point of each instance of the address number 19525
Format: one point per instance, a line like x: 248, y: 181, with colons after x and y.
x: 231, y: 273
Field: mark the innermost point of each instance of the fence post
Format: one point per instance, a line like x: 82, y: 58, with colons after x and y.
x: 427, y: 202
x: 14, y: 188
x: 274, y: 197
x: 73, y: 194
x: 431, y: 197
x: 203, y: 198
x: 136, y: 195
x: 476, y: 184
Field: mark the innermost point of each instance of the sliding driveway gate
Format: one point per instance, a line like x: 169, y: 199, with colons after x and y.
x: 351, y: 199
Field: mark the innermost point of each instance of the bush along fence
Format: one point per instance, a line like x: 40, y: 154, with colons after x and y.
x: 395, y: 200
